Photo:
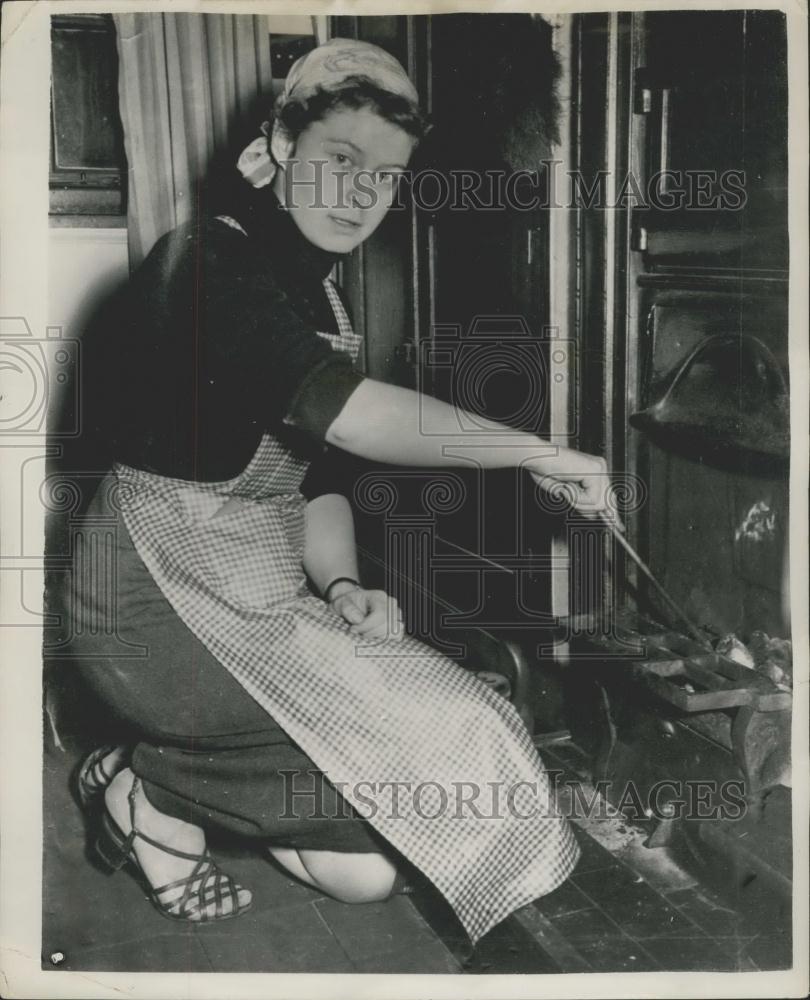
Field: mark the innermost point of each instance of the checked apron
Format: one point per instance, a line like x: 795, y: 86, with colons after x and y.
x: 441, y: 765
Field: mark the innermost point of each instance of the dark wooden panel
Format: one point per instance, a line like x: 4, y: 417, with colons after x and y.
x: 88, y: 165
x: 484, y: 263
x: 718, y: 91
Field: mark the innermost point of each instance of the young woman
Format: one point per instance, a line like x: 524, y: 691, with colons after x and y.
x: 311, y: 723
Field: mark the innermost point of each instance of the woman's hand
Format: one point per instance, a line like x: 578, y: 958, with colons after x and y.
x: 583, y: 480
x: 372, y: 614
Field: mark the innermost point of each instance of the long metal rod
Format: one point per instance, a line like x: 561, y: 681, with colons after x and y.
x: 645, y: 569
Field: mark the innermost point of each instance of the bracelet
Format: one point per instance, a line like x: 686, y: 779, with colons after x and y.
x: 339, y: 579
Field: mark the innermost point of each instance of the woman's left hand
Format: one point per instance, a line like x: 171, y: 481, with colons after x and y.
x: 372, y: 614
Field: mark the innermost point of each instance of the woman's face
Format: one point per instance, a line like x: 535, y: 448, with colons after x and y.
x: 342, y: 177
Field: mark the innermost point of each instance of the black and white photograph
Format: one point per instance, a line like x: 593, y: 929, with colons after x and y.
x: 404, y: 500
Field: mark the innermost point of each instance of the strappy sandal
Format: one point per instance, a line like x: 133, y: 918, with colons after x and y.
x: 92, y: 778
x: 205, y: 891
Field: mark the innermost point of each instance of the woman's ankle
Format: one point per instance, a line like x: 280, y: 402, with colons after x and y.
x: 119, y: 788
x: 169, y: 852
x: 160, y: 826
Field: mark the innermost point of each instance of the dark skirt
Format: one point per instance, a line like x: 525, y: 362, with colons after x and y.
x: 205, y: 750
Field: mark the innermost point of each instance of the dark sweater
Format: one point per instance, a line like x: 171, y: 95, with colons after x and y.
x: 213, y: 342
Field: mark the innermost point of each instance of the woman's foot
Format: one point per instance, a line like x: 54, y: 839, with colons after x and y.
x: 166, y: 873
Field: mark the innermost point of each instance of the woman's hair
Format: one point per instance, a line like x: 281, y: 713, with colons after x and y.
x: 295, y: 116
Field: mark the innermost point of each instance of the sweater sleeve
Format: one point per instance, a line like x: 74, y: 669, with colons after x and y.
x: 250, y: 332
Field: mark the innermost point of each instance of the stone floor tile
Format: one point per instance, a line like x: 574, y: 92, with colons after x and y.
x: 293, y: 940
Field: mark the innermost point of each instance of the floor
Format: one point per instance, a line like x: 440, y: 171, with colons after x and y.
x: 626, y: 908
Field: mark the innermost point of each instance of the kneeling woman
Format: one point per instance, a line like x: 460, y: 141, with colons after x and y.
x: 231, y: 363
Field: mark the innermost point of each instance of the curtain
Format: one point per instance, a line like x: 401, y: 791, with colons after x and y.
x: 188, y: 83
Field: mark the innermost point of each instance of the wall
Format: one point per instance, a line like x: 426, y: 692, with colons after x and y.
x: 83, y: 265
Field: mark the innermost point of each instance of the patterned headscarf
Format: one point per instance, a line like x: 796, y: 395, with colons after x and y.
x: 324, y: 68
